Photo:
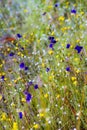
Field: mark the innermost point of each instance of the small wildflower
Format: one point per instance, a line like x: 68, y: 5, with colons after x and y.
x: 50, y: 52
x: 15, y: 126
x: 78, y: 48
x: 19, y: 35
x: 68, y: 46
x: 73, y: 11
x: 20, y: 115
x: 26, y: 68
x: 46, y: 95
x: 67, y: 68
x: 22, y: 65
x: 3, y: 116
x: 51, y: 45
x: 29, y: 83
x: 73, y: 78
x: 56, y: 5
x: 2, y: 77
x: 47, y: 69
x: 28, y: 97
x: 41, y: 114
x: 36, y: 126
x: 36, y: 86
x: 0, y: 97
x: 11, y: 54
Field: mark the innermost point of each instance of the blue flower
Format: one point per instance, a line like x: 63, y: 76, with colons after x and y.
x: 22, y: 65
x: 20, y: 115
x: 51, y: 45
x: 68, y: 45
x: 28, y: 97
x: 19, y: 35
x: 78, y: 48
x: 11, y: 54
x: 26, y: 68
x: 2, y: 77
x: 56, y: 5
x: 36, y: 86
x: 50, y: 38
x: 67, y: 68
x: 73, y: 11
x: 30, y: 83
x: 47, y: 69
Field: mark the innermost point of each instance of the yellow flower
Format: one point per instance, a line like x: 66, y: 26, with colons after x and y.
x: 52, y: 33
x: 46, y: 95
x: 23, y: 100
x: 41, y: 114
x: 58, y: 96
x: 3, y: 116
x: 0, y: 97
x: 77, y: 71
x: 75, y: 82
x: 43, y: 65
x: 73, y: 78
x: 76, y: 59
x: 78, y: 40
x: 15, y: 126
x: 61, y: 18
x: 51, y: 77
x: 50, y: 52
x: 82, y: 12
x: 36, y: 126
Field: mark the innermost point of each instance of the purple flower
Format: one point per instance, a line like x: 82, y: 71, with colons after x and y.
x: 51, y: 45
x: 56, y: 5
x: 26, y: 68
x: 68, y: 46
x: 53, y: 41
x: 19, y: 35
x: 2, y: 77
x: 22, y: 65
x: 73, y: 11
x: 67, y: 68
x: 11, y: 54
x: 28, y: 97
x: 36, y: 86
x: 20, y: 115
x: 30, y: 83
x: 78, y: 48
x: 47, y: 69
x: 50, y: 38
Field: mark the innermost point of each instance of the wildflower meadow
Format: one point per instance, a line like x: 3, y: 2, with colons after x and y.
x: 43, y: 65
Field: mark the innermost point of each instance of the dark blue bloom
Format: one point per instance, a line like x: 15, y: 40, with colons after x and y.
x: 2, y: 77
x: 11, y: 54
x: 47, y: 69
x: 53, y: 41
x: 51, y: 45
x: 36, y: 86
x: 67, y: 68
x: 78, y: 48
x: 30, y: 83
x: 19, y: 35
x: 26, y: 68
x: 73, y: 11
x: 20, y: 115
x: 50, y: 38
x: 28, y: 97
x: 22, y: 65
x: 56, y: 5
x: 68, y: 45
